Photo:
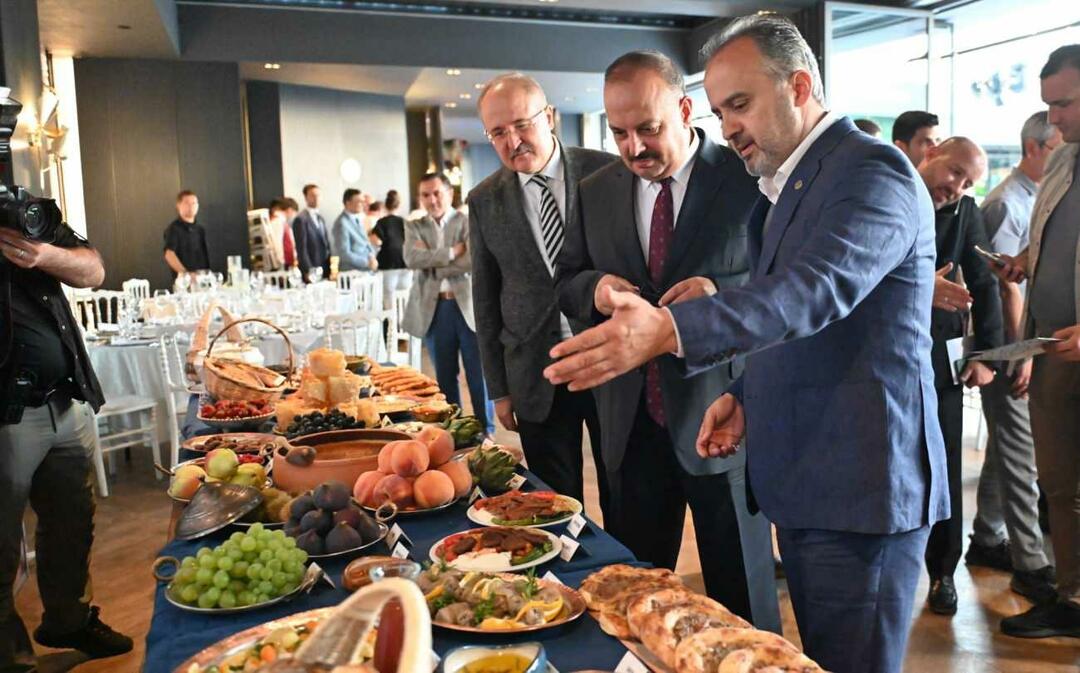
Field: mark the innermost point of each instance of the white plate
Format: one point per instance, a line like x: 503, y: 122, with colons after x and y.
x: 486, y: 518
x: 471, y: 563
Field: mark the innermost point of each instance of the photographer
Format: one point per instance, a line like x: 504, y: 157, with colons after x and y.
x: 45, y: 437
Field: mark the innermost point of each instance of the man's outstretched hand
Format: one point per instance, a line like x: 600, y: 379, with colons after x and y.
x: 722, y: 429
x: 636, y: 333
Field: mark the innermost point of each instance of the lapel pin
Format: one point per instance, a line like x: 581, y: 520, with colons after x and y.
x: 798, y: 184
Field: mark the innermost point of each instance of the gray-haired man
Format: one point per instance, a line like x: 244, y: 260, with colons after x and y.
x: 1008, y: 496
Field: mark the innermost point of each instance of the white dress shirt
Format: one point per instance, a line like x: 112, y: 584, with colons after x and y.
x: 645, y: 193
x: 555, y: 172
x: 320, y: 223
x: 772, y: 187
x: 444, y: 286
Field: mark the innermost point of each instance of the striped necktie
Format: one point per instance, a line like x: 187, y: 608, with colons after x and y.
x: 551, y: 226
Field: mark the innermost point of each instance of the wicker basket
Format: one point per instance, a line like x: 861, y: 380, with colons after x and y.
x: 224, y: 384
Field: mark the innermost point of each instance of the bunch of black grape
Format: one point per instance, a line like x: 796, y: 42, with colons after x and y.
x: 317, y: 421
x: 247, y: 569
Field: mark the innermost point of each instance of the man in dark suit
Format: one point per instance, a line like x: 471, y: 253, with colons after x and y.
x: 668, y: 222
x: 837, y: 402
x: 309, y: 232
x: 516, y: 225
x: 948, y: 170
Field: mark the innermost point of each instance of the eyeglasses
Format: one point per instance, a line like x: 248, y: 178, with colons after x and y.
x: 522, y: 126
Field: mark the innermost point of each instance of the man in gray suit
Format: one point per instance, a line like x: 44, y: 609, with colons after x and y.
x: 516, y: 221
x: 669, y: 225
x: 440, y: 302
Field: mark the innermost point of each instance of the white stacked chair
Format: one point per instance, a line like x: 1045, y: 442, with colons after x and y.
x: 404, y: 348
x: 171, y: 361
x: 356, y: 333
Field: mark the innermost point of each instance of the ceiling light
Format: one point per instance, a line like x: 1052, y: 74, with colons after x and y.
x: 272, y: 66
x: 478, y: 86
x: 591, y: 89
x: 548, y: 2
x: 451, y: 104
x: 465, y: 96
x: 568, y: 99
x: 453, y: 72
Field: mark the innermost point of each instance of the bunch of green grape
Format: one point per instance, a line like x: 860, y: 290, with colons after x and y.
x: 247, y: 569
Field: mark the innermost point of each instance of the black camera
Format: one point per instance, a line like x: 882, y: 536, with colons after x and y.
x: 35, y: 218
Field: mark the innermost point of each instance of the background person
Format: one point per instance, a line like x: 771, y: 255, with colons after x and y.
x: 349, y: 239
x: 185, y: 239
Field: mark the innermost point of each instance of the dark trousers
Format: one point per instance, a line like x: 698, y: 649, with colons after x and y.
x: 553, y: 446
x: 49, y: 467
x: 649, y: 494
x: 853, y: 594
x: 946, y: 542
x: 447, y: 336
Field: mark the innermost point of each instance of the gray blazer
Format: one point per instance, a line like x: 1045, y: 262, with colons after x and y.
x: 710, y: 241
x: 517, y: 315
x: 432, y: 266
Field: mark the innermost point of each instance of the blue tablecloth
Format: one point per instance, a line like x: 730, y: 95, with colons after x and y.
x: 176, y: 634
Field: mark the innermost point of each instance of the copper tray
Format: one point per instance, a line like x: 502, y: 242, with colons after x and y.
x: 243, y: 640
x: 573, y: 607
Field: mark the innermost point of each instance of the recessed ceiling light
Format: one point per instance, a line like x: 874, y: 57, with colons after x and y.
x: 451, y: 104
x: 568, y: 99
x: 547, y: 2
x: 478, y: 86
x: 465, y: 96
x: 453, y: 72
x: 123, y: 26
x: 272, y: 66
x: 591, y: 89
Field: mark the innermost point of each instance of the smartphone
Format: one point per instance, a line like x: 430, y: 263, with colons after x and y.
x: 992, y: 256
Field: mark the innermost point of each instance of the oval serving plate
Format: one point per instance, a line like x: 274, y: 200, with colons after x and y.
x: 406, y: 512
x: 486, y: 518
x: 198, y: 442
x: 383, y: 531
x: 311, y: 577
x: 242, y: 641
x: 573, y: 607
x: 236, y: 424
x: 505, y: 567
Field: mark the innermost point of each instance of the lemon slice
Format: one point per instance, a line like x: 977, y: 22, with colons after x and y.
x: 498, y: 624
x: 434, y: 593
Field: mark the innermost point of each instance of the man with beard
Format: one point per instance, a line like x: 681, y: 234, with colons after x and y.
x: 844, y: 453
x: 948, y: 170
x: 668, y: 222
x: 516, y: 222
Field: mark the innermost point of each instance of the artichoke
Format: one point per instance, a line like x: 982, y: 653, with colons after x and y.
x: 492, y: 469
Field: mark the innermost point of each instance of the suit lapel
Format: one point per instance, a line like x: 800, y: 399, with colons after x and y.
x: 702, y: 189
x: 515, y: 223
x: 798, y: 184
x: 753, y: 231
x: 625, y: 229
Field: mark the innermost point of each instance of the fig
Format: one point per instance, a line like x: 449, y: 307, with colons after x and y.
x: 349, y: 515
x: 439, y: 442
x: 342, y: 537
x: 369, y: 529
x: 395, y: 488
x: 432, y: 489
x: 410, y: 458
x: 363, y: 490
x: 311, y: 543
x: 458, y: 471
x: 318, y: 520
x: 292, y: 529
x: 301, y: 456
x: 300, y: 506
x: 331, y: 496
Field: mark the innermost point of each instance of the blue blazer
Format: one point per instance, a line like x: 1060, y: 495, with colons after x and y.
x: 350, y: 243
x: 838, y: 390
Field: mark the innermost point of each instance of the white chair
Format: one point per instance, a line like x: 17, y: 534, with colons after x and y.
x: 369, y: 292
x: 357, y: 333
x: 141, y: 410
x: 85, y: 309
x: 109, y: 305
x: 403, y: 347
x: 171, y: 361
x: 345, y: 278
x: 136, y: 289
x: 279, y: 279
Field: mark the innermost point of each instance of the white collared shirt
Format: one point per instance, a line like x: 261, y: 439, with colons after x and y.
x: 440, y: 224
x: 646, y: 191
x: 316, y: 218
x: 772, y: 187
x: 555, y: 172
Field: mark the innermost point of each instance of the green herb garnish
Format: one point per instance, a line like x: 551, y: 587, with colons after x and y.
x: 483, y: 610
x: 532, y: 587
x: 441, y: 601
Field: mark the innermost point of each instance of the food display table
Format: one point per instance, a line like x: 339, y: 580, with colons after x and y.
x: 175, y: 634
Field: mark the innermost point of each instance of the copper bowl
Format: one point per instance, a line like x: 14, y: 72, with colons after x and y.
x: 341, y: 455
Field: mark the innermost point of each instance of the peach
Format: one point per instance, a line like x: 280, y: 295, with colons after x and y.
x: 459, y: 474
x: 384, y: 456
x: 409, y: 458
x: 433, y: 488
x: 440, y: 444
x: 395, y: 488
x: 364, y: 489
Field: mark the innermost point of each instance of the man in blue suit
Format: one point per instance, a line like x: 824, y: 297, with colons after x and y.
x: 844, y: 452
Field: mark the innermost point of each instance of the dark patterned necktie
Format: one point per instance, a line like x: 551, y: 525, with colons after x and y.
x: 661, y: 232
x: 551, y: 226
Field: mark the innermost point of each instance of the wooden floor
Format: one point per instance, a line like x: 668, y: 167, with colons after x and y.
x: 131, y: 527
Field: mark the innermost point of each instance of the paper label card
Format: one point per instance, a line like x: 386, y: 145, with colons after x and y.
x: 551, y: 577
x: 400, y: 551
x: 631, y: 664
x: 475, y: 495
x: 569, y: 547
x: 576, y: 525
x: 396, y: 533
x: 517, y: 481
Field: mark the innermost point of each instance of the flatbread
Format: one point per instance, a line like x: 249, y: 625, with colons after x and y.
x: 662, y: 630
x: 703, y: 652
x: 606, y: 587
x: 645, y: 604
x: 767, y: 659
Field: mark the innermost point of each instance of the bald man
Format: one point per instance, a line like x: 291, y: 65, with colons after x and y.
x: 948, y: 170
x: 517, y: 217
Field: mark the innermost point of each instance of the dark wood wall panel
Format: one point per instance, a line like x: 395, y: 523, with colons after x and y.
x: 264, y: 141
x: 149, y: 129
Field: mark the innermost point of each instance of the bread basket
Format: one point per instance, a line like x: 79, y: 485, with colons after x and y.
x: 228, y: 379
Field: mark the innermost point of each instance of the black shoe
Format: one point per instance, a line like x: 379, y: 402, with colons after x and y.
x: 1035, y: 585
x: 942, y: 598
x: 95, y: 639
x: 997, y: 557
x: 1061, y: 618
